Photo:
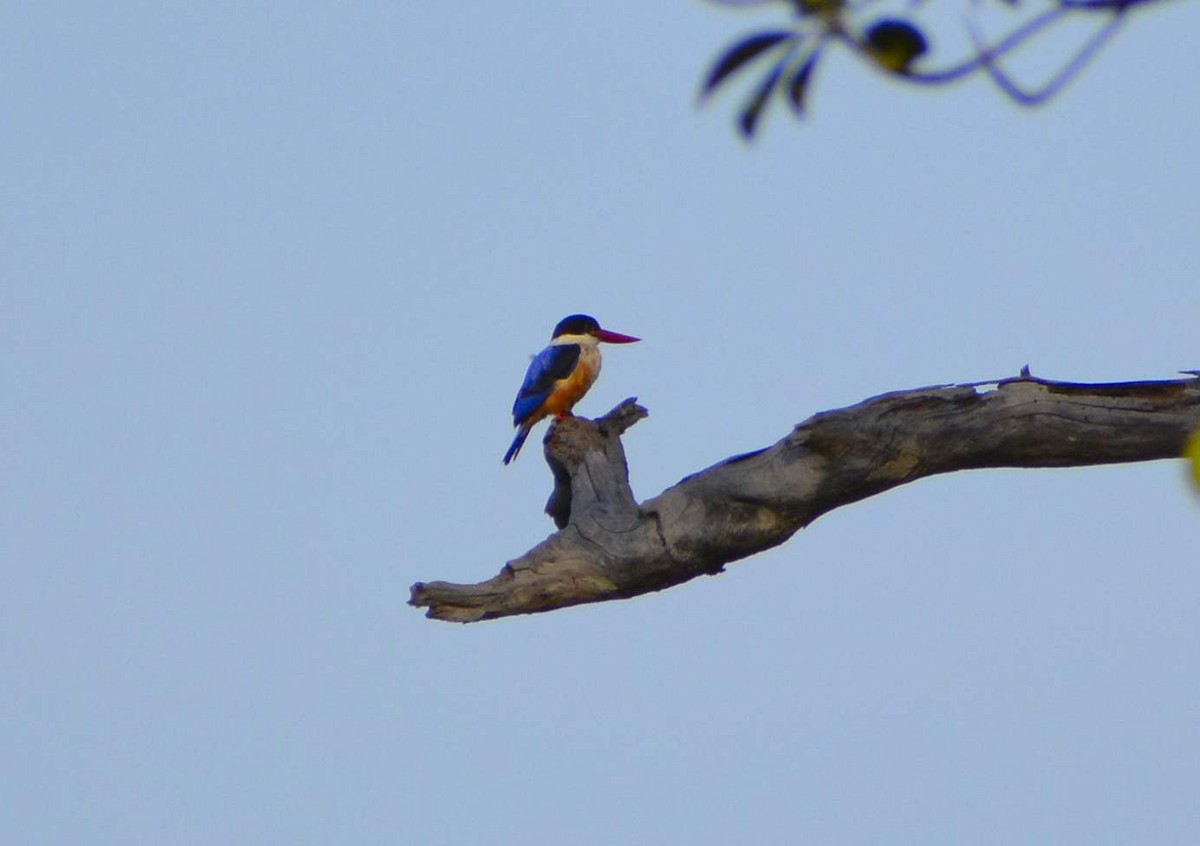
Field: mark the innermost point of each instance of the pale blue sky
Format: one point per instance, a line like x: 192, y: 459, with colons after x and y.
x: 270, y: 276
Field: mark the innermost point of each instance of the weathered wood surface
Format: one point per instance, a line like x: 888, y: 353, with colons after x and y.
x: 609, y: 547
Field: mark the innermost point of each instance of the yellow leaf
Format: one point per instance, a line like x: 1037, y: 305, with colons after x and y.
x: 1192, y: 453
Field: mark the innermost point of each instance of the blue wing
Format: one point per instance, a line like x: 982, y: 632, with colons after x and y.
x: 551, y: 364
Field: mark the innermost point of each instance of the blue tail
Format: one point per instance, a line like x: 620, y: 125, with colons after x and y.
x: 517, y: 443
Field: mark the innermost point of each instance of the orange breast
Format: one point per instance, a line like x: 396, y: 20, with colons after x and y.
x: 569, y: 391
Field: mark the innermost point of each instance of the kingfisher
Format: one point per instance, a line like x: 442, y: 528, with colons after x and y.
x: 561, y: 374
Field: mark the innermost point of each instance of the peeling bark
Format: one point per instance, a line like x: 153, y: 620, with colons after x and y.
x: 609, y: 547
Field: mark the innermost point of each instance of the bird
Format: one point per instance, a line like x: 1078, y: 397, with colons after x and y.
x: 561, y: 374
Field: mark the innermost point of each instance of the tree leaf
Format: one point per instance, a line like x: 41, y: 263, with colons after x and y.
x: 750, y: 115
x: 798, y: 84
x: 1192, y: 453
x: 819, y: 7
x: 894, y: 44
x: 741, y: 53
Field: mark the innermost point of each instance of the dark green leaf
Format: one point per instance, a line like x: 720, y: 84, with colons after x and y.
x: 753, y: 110
x: 798, y: 84
x: 741, y: 53
x: 818, y: 7
x: 895, y: 44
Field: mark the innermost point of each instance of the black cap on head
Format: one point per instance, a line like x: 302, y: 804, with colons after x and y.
x: 576, y: 324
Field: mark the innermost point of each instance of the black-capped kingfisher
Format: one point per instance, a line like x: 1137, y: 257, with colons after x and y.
x: 561, y: 374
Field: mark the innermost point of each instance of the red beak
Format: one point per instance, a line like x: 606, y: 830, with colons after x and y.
x: 615, y: 337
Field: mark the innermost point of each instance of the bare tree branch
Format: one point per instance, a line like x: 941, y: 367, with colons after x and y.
x: 609, y: 547
x: 1064, y: 74
x: 901, y: 42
